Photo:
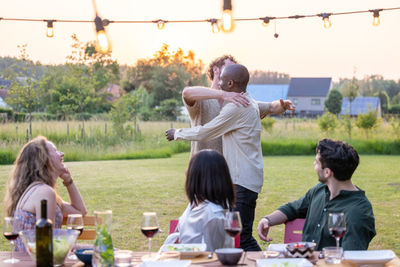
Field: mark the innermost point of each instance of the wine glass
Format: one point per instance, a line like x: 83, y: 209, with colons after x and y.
x: 75, y: 222
x: 233, y: 224
x: 10, y: 233
x: 337, y: 226
x: 149, y: 226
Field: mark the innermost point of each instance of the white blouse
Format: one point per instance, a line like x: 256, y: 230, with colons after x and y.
x: 202, y: 224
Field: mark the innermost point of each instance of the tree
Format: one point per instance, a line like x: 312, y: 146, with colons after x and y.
x: 334, y: 101
x: 267, y: 123
x: 165, y: 74
x: 368, y: 121
x: 384, y: 98
x: 25, y: 92
x: 350, y: 90
x: 169, y: 109
x: 327, y: 122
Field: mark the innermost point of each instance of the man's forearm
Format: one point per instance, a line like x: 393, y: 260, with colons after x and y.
x: 277, y: 217
x: 197, y: 93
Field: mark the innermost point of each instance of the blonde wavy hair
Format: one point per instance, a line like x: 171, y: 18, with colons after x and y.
x: 33, y: 164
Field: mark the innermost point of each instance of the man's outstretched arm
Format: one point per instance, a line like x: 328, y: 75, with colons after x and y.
x: 275, y: 107
x: 197, y: 93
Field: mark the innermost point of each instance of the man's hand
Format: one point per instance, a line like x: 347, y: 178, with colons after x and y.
x: 170, y: 134
x: 236, y: 98
x: 287, y: 105
x: 263, y: 228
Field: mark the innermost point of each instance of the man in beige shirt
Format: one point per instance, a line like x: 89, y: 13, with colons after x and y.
x: 204, y: 104
x: 240, y: 128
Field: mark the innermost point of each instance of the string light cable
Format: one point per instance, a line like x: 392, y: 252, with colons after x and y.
x: 216, y: 24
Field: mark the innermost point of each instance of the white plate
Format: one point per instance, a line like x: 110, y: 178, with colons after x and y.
x: 369, y: 256
x: 295, y: 262
x: 277, y: 247
x: 186, y: 250
x: 173, y: 263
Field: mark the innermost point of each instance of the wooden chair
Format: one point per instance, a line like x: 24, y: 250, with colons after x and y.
x: 174, y: 223
x: 87, y: 234
x: 293, y: 230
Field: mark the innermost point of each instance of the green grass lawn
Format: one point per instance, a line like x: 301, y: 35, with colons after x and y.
x: 130, y: 187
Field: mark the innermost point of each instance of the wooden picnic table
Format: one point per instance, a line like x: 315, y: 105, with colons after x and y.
x: 248, y: 259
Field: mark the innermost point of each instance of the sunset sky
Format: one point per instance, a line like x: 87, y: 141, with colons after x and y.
x: 304, y: 47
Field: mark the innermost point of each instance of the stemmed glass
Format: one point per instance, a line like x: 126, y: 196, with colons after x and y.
x: 75, y: 222
x: 10, y: 233
x: 149, y: 226
x: 233, y: 224
x: 337, y: 226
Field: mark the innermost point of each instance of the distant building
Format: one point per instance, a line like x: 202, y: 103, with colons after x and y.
x: 360, y: 105
x: 3, y: 104
x: 3, y: 93
x: 115, y: 92
x: 308, y: 95
x: 4, y: 83
x: 268, y: 92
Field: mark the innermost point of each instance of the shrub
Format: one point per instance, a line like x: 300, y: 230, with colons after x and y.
x: 267, y: 123
x: 9, y: 111
x: 43, y: 116
x: 367, y: 121
x: 6, y: 157
x: 19, y: 116
x: 327, y: 122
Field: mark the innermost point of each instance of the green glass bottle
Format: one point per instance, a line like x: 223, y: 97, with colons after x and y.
x: 44, y: 238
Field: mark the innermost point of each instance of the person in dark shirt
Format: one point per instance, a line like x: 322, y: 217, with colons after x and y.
x: 335, y: 163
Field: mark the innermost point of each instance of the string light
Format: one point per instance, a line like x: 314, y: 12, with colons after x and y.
x: 160, y: 24
x: 103, y: 44
x: 325, y: 18
x: 276, y: 35
x: 50, y: 30
x: 376, y: 21
x: 265, y: 22
x: 214, y: 25
x: 227, y: 20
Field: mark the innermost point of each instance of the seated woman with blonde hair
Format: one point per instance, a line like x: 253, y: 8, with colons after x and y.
x: 210, y: 192
x: 38, y: 166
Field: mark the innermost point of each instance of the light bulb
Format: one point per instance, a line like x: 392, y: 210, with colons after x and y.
x: 376, y: 21
x: 327, y: 23
x: 50, y: 29
x: 265, y: 22
x: 214, y: 25
x: 227, y: 20
x: 160, y: 24
x: 103, y: 44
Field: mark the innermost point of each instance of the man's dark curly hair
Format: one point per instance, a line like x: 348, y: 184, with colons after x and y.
x: 338, y: 156
x: 219, y: 62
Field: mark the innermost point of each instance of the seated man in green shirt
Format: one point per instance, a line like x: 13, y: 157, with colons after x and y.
x: 334, y: 164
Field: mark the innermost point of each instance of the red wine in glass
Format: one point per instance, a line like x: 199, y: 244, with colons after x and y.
x: 233, y: 232
x: 337, y: 232
x: 79, y: 228
x: 149, y: 232
x: 10, y: 235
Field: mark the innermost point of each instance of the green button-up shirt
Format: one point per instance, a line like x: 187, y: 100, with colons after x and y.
x: 315, y: 207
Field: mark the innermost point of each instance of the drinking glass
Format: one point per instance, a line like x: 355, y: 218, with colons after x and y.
x: 75, y: 222
x: 233, y: 224
x: 337, y: 226
x: 11, y: 234
x: 149, y: 226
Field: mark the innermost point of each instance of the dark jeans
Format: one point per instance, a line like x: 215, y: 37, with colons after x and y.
x: 246, y: 205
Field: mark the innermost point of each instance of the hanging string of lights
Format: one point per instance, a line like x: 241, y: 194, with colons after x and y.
x: 226, y: 24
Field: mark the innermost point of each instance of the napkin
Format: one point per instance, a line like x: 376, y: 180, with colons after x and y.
x: 277, y: 247
x: 172, y: 263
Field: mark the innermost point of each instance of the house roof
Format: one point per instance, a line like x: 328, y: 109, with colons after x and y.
x: 360, y: 105
x: 268, y: 92
x: 309, y: 86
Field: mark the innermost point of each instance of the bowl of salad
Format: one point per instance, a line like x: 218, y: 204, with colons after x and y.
x: 63, y: 240
x: 185, y: 250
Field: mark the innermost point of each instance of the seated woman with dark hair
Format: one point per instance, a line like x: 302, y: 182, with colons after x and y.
x: 210, y: 191
x: 38, y: 166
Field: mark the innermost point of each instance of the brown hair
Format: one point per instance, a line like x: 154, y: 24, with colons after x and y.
x: 218, y: 62
x: 208, y: 178
x: 33, y: 164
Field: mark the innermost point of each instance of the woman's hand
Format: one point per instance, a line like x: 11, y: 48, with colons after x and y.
x: 65, y: 174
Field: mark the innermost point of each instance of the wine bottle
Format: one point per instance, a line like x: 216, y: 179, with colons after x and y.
x: 44, y: 238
